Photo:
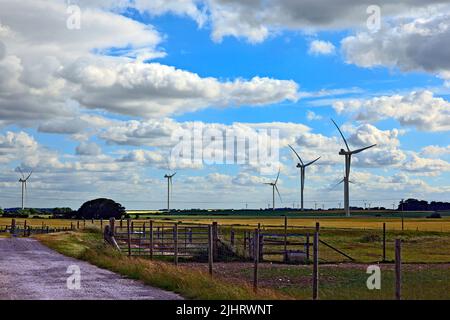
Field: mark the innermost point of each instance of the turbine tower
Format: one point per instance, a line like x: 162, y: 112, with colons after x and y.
x: 302, y: 167
x: 348, y: 159
x: 169, y: 188
x: 23, y: 181
x: 274, y: 187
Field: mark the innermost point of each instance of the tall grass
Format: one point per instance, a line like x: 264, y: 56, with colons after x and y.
x: 189, y: 283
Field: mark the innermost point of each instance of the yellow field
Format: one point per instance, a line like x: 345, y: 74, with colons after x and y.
x: 439, y: 225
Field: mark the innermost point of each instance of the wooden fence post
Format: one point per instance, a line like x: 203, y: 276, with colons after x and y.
x: 398, y: 269
x: 151, y: 239
x: 175, y: 243
x: 256, y: 261
x: 143, y: 230
x: 92, y: 221
x: 307, y: 247
x: 316, y: 266
x: 210, y: 249
x: 78, y: 224
x: 13, y: 226
x: 121, y: 225
x: 84, y: 223
x: 245, y: 244
x: 129, y: 237
x: 25, y: 228
x: 101, y: 224
x: 215, y: 239
x: 112, y: 226
x: 285, y: 239
x: 232, y: 237
x: 190, y: 235
x: 384, y: 241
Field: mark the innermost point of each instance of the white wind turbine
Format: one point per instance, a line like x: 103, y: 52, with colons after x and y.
x: 348, y: 159
x: 169, y: 188
x: 274, y: 187
x: 23, y: 181
x: 302, y: 167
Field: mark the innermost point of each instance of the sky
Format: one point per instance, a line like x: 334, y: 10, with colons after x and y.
x: 96, y: 95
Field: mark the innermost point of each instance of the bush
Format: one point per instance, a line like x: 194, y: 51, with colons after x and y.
x: 434, y: 215
x: 371, y: 238
x: 101, y: 209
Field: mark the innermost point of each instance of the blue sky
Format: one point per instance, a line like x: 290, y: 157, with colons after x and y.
x: 97, y: 107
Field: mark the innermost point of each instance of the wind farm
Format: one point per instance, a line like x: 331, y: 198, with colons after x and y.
x: 224, y: 150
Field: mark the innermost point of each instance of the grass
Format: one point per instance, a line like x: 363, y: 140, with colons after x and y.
x: 190, y: 283
x: 231, y: 280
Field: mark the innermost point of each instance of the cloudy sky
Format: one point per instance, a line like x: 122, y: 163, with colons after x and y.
x: 92, y: 93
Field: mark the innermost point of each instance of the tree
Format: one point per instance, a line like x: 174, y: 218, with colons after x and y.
x: 101, y: 209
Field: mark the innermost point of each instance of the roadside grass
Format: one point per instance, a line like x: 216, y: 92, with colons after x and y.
x: 190, y: 283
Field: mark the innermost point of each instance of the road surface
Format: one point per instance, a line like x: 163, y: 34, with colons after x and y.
x: 29, y: 271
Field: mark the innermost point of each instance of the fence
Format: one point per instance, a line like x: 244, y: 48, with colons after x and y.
x: 162, y: 239
x: 26, y: 230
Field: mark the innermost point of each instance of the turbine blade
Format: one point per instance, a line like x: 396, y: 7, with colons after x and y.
x: 296, y: 154
x: 337, y: 184
x: 29, y: 175
x: 278, y: 175
x: 279, y: 195
x: 342, y: 135
x: 309, y: 163
x: 21, y: 172
x: 362, y: 149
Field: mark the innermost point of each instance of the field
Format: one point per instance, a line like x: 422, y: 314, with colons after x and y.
x: 425, y: 254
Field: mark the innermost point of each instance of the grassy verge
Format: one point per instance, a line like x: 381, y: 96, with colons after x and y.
x: 188, y: 282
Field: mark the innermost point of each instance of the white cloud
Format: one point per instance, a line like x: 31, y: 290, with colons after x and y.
x: 310, y: 115
x: 319, y: 47
x: 426, y: 166
x: 88, y: 149
x: 418, y: 109
x: 415, y: 44
x: 155, y: 90
x: 435, y: 151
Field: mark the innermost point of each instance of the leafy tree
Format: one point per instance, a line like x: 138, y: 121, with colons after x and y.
x: 101, y: 209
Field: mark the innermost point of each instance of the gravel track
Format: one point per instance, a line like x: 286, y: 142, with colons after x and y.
x: 31, y: 271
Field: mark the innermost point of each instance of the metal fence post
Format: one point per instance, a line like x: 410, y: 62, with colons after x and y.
x: 398, y: 269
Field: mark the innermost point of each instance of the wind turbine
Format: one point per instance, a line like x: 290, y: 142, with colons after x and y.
x: 23, y: 181
x: 169, y: 188
x: 348, y: 159
x: 302, y: 167
x: 274, y: 187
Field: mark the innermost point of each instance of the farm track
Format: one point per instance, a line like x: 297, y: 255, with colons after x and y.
x: 31, y: 271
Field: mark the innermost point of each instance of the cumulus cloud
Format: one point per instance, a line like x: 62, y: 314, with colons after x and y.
x: 88, y: 149
x: 51, y: 74
x: 420, y: 109
x: 319, y: 47
x: 435, y: 151
x: 415, y: 44
x: 155, y: 90
x: 426, y: 166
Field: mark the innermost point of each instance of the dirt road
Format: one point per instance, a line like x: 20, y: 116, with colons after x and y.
x: 29, y: 270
